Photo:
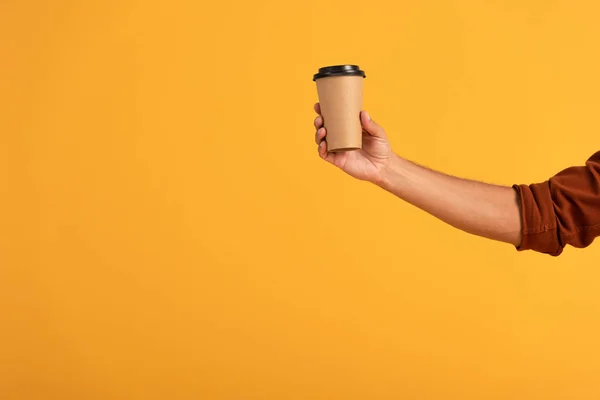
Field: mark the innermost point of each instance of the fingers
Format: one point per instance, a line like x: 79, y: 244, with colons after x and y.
x: 324, y: 154
x: 320, y: 135
x: 317, y: 108
x: 370, y: 126
x: 322, y: 146
x: 323, y: 149
x: 318, y: 122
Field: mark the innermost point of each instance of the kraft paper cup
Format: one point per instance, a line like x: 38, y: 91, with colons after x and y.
x: 340, y: 90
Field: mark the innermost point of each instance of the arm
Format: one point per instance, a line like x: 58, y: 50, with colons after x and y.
x: 478, y: 208
x: 545, y: 217
x: 486, y: 210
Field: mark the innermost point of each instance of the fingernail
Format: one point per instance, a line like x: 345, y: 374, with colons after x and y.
x: 367, y: 116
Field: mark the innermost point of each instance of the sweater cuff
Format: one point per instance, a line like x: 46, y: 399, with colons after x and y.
x: 538, y: 219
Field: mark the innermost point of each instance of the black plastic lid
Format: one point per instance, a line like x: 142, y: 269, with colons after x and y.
x: 339, y: 70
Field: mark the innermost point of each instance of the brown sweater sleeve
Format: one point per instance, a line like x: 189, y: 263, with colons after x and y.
x: 563, y: 210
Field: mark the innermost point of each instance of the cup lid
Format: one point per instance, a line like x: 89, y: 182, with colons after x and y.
x: 339, y: 70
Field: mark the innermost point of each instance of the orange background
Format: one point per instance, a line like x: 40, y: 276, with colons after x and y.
x: 168, y: 231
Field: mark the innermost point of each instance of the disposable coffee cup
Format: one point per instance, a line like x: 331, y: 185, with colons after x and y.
x: 340, y: 90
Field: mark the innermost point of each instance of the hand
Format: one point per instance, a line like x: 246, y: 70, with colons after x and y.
x: 368, y: 163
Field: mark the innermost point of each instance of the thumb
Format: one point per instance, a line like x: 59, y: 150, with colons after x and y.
x: 370, y: 126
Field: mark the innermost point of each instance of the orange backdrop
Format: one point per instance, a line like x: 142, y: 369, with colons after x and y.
x: 166, y: 229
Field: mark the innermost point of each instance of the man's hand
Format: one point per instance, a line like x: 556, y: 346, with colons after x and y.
x: 368, y: 163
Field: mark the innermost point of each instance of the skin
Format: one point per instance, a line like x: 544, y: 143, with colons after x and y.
x: 486, y: 210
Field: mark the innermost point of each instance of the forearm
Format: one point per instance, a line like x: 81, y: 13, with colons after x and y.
x: 481, y: 209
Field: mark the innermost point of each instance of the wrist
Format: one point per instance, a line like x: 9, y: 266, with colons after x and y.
x: 387, y: 173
